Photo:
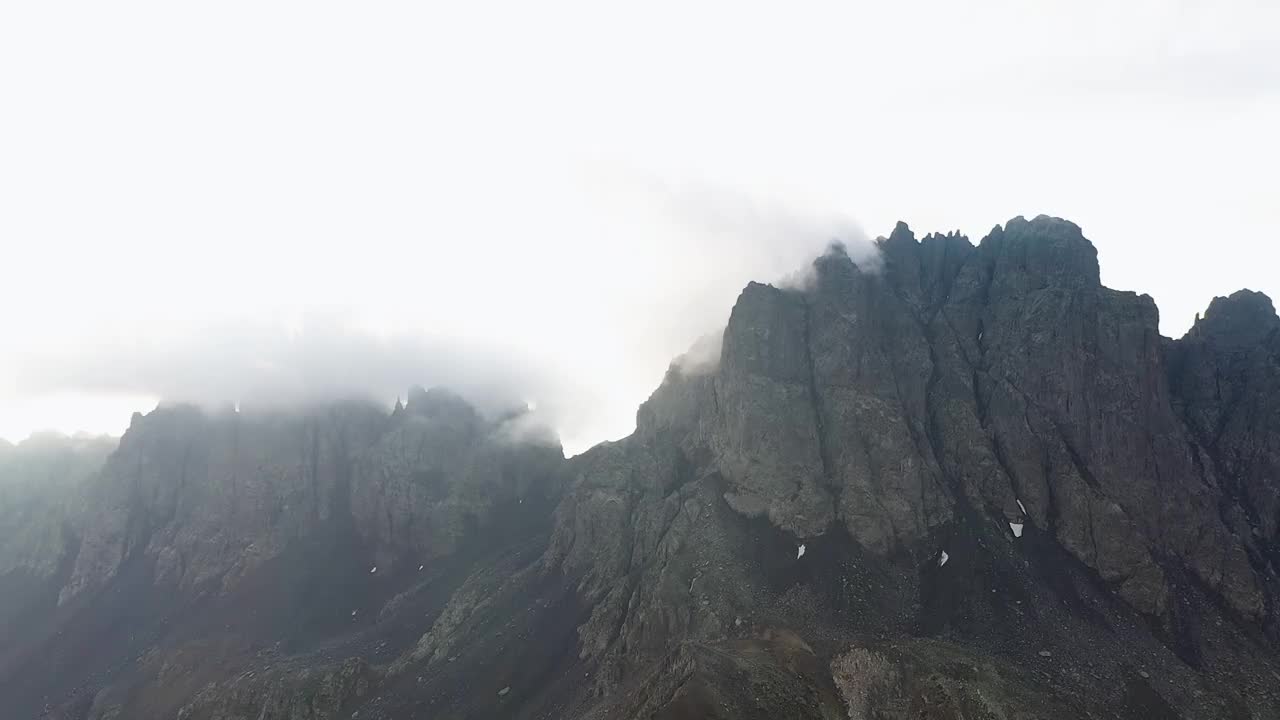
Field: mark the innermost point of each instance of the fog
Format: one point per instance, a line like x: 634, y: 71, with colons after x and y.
x: 640, y: 306
x: 287, y: 201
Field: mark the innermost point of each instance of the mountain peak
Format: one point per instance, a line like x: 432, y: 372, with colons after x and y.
x: 1243, y: 318
x: 1045, y: 251
x: 901, y: 233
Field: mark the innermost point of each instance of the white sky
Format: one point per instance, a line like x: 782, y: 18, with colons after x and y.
x: 201, y: 199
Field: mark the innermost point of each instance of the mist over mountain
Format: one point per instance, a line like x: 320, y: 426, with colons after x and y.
x: 937, y: 480
x: 581, y: 334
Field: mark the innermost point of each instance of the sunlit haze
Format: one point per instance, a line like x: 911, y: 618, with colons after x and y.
x: 547, y: 201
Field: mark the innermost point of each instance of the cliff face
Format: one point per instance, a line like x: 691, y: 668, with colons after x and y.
x: 38, y: 480
x: 1226, y: 377
x: 972, y: 482
x: 208, y: 539
x: 208, y: 499
x: 990, y: 429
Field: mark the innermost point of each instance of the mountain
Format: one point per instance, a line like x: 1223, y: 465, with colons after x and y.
x: 969, y: 482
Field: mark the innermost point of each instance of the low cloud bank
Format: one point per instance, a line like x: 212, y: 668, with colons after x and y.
x: 584, y: 345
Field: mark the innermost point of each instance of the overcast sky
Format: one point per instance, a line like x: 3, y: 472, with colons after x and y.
x: 548, y: 200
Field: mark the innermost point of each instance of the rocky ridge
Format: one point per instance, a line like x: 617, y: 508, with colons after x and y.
x: 969, y: 482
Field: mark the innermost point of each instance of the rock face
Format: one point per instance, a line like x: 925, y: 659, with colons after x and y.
x: 437, y: 477
x: 38, y: 480
x: 970, y: 482
x: 1226, y: 373
x: 992, y: 402
x: 208, y: 498
x: 285, y: 528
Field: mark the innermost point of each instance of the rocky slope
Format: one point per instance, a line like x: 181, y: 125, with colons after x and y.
x: 971, y: 482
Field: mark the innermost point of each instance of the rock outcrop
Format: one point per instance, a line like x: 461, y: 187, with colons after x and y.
x: 1226, y: 376
x: 978, y: 443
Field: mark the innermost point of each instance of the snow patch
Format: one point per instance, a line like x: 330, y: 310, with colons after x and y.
x: 943, y: 558
x: 800, y: 551
x: 1022, y: 507
x: 373, y: 569
x: 420, y: 567
x: 1016, y: 528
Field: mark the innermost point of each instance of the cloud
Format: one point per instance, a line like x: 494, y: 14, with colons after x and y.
x: 271, y: 363
x: 585, y: 340
x: 463, y: 213
x: 703, y: 357
x: 766, y: 236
